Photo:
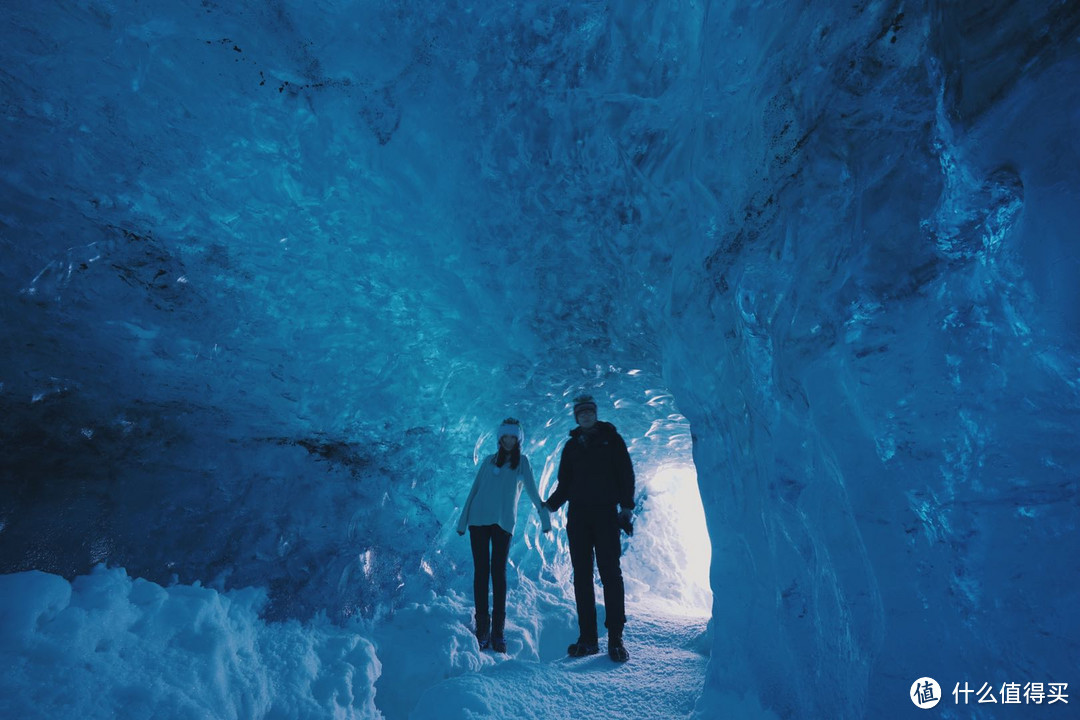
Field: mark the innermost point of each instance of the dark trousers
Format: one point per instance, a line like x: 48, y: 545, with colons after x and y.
x: 490, y: 548
x: 598, y: 533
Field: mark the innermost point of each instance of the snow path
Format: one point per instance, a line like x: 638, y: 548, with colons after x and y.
x: 663, y: 679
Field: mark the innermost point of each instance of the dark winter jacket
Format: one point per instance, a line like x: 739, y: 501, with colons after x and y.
x: 595, y: 472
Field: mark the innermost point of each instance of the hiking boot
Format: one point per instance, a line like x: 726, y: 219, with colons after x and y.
x: 498, y: 642
x: 615, y: 649
x: 483, y: 630
x: 582, y: 648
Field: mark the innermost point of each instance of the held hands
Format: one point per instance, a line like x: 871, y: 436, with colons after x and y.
x: 545, y: 515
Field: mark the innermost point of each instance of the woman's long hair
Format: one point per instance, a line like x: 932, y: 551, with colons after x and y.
x: 514, y: 456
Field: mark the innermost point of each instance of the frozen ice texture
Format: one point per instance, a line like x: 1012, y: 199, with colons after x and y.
x: 272, y: 273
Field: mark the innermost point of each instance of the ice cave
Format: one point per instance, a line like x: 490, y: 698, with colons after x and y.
x: 273, y: 272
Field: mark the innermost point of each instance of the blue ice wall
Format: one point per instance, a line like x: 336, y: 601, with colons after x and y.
x: 272, y: 270
x: 882, y: 209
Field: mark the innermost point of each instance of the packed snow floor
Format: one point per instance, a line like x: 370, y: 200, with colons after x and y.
x: 663, y: 678
x: 109, y: 646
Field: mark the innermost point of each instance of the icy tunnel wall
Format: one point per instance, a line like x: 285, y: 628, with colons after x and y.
x: 884, y: 257
x: 270, y: 271
x: 274, y: 271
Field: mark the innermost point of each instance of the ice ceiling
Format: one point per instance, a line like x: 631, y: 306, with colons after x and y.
x: 272, y: 272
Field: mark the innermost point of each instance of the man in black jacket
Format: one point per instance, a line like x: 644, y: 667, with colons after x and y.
x: 595, y: 476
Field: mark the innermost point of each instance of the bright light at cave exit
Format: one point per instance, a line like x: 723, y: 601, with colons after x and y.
x: 672, y: 536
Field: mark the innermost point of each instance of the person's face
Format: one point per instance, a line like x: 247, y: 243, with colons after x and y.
x: 586, y: 418
x: 508, y: 442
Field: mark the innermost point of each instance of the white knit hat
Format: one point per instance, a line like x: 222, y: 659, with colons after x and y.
x: 511, y: 426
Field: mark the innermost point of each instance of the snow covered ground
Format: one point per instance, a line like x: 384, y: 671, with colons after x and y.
x: 109, y: 645
x: 663, y: 678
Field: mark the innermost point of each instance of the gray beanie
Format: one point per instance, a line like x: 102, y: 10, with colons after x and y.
x: 582, y: 402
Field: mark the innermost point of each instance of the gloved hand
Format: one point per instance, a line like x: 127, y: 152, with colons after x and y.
x: 625, y: 522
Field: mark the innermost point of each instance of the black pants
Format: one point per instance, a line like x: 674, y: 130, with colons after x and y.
x: 490, y: 548
x: 596, y: 532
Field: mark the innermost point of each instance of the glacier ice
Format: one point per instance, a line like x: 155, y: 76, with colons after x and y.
x: 272, y: 271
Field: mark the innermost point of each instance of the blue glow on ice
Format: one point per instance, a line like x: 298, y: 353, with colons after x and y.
x: 272, y: 272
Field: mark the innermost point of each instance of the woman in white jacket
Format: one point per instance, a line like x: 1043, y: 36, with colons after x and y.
x: 490, y: 513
